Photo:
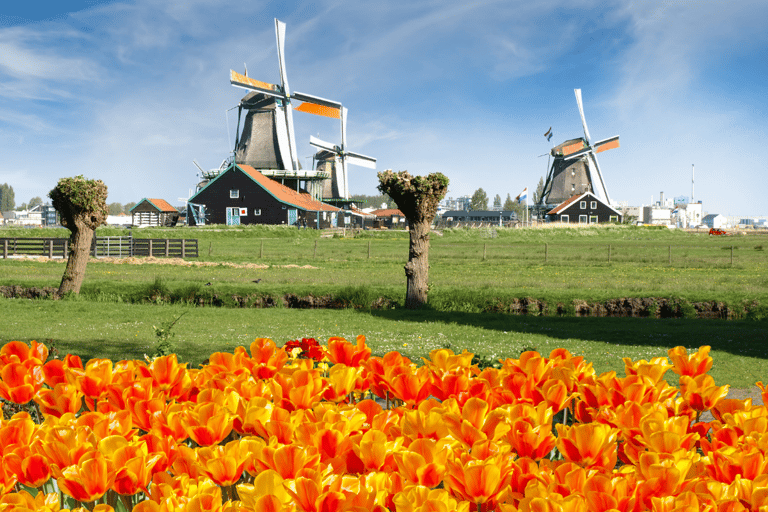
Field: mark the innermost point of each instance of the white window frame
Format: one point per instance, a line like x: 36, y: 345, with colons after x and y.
x: 243, y: 212
x: 583, y: 219
x: 593, y: 219
x: 234, y: 193
x: 257, y: 211
x: 593, y: 205
x: 614, y: 218
x: 565, y: 218
x: 583, y: 205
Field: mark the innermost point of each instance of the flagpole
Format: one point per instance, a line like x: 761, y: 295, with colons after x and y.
x: 526, y: 207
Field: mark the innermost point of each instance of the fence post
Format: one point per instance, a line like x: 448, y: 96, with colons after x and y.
x: 5, y: 249
x: 609, y: 253
x: 369, y: 249
x: 95, y: 243
x: 183, y: 248
x: 150, y: 247
x: 66, y: 248
x: 484, y: 251
x: 50, y: 248
x: 314, y: 254
x: 546, y: 252
x: 167, y: 243
x: 670, y: 254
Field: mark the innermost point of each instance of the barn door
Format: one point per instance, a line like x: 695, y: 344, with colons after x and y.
x: 293, y: 216
x: 233, y: 216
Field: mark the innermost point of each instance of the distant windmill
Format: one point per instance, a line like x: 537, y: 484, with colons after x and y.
x: 273, y: 133
x: 341, y: 158
x: 575, y: 169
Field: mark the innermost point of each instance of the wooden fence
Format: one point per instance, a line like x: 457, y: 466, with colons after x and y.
x: 102, y: 247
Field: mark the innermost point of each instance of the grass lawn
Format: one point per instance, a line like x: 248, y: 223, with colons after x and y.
x: 112, y: 318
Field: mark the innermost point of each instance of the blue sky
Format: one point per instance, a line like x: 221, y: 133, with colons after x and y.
x: 132, y: 92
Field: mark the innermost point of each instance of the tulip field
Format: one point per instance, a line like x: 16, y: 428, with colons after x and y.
x: 328, y: 427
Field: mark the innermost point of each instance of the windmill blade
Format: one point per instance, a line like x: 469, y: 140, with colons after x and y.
x: 316, y: 99
x: 344, y: 112
x: 606, y: 144
x: 314, y: 141
x: 283, y: 141
x: 361, y: 160
x: 598, y: 184
x: 250, y: 84
x: 318, y: 110
x: 577, y: 154
x: 197, y: 165
x: 574, y: 148
x: 291, y: 136
x: 280, y: 36
x: 581, y: 112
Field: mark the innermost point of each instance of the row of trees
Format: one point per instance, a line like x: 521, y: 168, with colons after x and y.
x: 8, y: 202
x: 479, y: 200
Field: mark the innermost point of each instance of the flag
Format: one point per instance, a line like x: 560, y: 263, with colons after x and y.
x: 549, y: 133
x: 522, y: 196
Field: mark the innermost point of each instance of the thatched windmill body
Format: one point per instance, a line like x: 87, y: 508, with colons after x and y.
x: 575, y: 169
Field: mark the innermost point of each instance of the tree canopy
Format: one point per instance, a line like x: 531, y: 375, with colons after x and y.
x: 7, y: 198
x: 479, y: 200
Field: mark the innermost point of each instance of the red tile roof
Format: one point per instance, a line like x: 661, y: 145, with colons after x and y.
x: 388, y: 212
x: 162, y: 205
x: 284, y: 194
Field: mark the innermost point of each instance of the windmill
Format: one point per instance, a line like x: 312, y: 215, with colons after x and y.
x: 341, y: 157
x: 575, y: 169
x: 268, y: 139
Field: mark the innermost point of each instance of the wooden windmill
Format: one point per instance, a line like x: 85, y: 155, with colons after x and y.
x: 340, y: 158
x: 575, y: 169
x: 268, y: 141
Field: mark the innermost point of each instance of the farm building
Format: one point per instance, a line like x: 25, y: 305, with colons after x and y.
x: 494, y: 216
x: 391, y: 218
x: 154, y: 212
x: 584, y: 208
x: 715, y: 220
x: 242, y: 195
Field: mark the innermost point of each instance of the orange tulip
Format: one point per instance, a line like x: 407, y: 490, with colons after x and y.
x: 19, y: 382
x: 63, y: 398
x: 88, y: 479
x: 590, y: 445
x: 19, y: 352
x: 7, y: 477
x: 700, y: 391
x: 223, y: 464
x: 691, y: 365
x: 340, y: 351
x: 30, y: 469
x: 267, y: 358
x: 423, y: 462
x: 477, y: 481
x: 208, y: 423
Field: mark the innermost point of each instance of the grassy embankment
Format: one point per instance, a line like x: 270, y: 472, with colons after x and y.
x: 104, y: 323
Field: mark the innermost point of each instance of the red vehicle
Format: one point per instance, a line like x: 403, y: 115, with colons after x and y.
x: 714, y: 231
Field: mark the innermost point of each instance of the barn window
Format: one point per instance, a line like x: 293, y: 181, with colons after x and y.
x: 614, y: 218
x: 564, y: 218
x: 573, y: 187
x: 234, y: 193
x: 582, y: 219
x: 593, y: 204
x: 583, y: 205
x: 593, y: 219
x: 257, y: 211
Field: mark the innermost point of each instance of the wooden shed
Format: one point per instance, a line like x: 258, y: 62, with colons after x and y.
x: 154, y: 212
x: 242, y: 195
x: 584, y: 208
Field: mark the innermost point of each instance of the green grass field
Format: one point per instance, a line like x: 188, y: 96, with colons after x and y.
x: 112, y: 317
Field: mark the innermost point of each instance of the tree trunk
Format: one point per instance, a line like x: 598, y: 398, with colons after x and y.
x: 80, y: 243
x: 417, y: 268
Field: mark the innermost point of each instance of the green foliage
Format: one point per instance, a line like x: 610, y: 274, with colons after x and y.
x: 497, y: 201
x: 7, y: 198
x: 127, y: 207
x: 35, y: 201
x: 115, y: 208
x: 80, y: 199
x: 539, y: 191
x: 479, y: 200
x: 163, y: 345
x: 416, y: 196
x: 509, y: 203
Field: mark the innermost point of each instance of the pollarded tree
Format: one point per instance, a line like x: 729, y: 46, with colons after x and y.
x: 417, y: 197
x: 82, y: 206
